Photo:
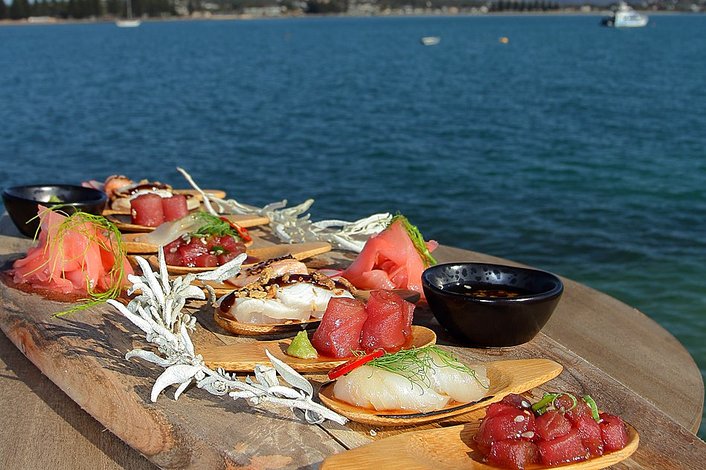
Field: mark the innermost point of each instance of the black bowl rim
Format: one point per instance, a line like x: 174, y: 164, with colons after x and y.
x: 557, y: 290
x: 11, y: 192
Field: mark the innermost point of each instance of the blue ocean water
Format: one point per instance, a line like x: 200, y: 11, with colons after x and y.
x: 574, y: 148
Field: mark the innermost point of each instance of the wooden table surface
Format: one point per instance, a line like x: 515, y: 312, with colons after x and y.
x: 631, y: 365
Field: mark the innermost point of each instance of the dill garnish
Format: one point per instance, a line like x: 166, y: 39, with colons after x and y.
x: 418, y: 364
x: 417, y: 239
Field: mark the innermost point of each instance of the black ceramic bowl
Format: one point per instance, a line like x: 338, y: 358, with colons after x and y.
x: 21, y: 202
x: 491, y: 305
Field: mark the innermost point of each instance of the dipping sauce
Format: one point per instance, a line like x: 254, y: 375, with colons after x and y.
x: 482, y: 290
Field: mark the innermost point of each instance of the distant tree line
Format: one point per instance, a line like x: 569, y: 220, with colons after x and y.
x: 80, y: 9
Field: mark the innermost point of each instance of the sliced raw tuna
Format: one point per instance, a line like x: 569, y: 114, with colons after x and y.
x: 338, y: 335
x: 174, y: 207
x: 147, y: 210
x: 389, y: 322
x: 613, y: 432
x: 513, y: 454
x: 389, y: 260
x: 567, y: 448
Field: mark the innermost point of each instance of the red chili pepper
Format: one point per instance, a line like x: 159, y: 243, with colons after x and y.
x: 354, y: 363
x: 242, y: 231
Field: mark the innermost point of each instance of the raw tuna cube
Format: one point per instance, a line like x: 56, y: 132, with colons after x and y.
x: 509, y: 424
x: 613, y: 432
x: 338, y: 335
x: 590, y: 433
x: 146, y: 210
x: 552, y: 424
x: 578, y: 412
x: 174, y: 207
x: 191, y: 251
x: 497, y: 408
x: 513, y: 454
x: 518, y: 401
x: 389, y: 323
x: 567, y: 448
x: 205, y: 260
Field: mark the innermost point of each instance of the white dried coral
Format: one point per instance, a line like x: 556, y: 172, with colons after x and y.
x: 157, y: 311
x: 293, y: 224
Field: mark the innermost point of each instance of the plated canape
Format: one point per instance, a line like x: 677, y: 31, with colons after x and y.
x: 80, y: 256
x: 393, y: 259
x: 415, y: 387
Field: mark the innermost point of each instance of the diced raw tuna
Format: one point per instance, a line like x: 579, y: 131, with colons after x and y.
x: 551, y: 425
x: 191, y: 251
x: 389, y: 323
x: 513, y: 454
x: 590, y: 433
x: 147, y: 210
x: 497, y: 408
x: 578, y: 412
x: 613, y: 432
x: 567, y: 448
x: 518, y: 401
x: 174, y: 207
x: 508, y: 424
x: 338, y: 335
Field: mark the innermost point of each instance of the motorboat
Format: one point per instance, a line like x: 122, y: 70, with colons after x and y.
x: 430, y: 40
x: 625, y: 17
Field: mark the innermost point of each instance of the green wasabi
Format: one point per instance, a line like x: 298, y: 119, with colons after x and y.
x: 301, y: 347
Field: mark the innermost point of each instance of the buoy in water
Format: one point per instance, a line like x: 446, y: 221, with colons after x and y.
x: 504, y: 40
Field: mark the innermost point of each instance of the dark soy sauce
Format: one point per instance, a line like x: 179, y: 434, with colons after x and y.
x: 482, y: 290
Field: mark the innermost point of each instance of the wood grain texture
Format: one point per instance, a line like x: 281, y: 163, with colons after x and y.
x: 84, y: 354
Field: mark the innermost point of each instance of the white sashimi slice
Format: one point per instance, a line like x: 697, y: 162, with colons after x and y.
x: 458, y: 384
x: 308, y: 297
x: 170, y: 231
x: 248, y: 310
x: 371, y: 387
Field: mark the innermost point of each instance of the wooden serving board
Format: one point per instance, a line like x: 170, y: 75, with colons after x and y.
x: 84, y: 355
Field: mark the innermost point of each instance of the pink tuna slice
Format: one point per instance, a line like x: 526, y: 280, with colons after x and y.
x: 389, y: 323
x: 338, y: 335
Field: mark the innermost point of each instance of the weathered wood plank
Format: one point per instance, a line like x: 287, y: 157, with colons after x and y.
x: 84, y: 356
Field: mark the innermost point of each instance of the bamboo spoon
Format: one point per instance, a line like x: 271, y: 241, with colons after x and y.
x: 296, y: 250
x: 506, y: 377
x: 449, y: 448
x: 245, y: 356
x: 124, y: 222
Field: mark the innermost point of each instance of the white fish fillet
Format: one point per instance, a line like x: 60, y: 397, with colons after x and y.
x: 372, y: 387
x: 298, y: 302
x: 457, y: 384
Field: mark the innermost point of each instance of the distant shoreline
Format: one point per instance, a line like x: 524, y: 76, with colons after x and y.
x: 34, y: 21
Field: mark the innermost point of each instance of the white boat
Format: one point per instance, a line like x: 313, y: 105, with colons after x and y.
x: 128, y: 22
x: 431, y: 40
x: 626, y: 17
